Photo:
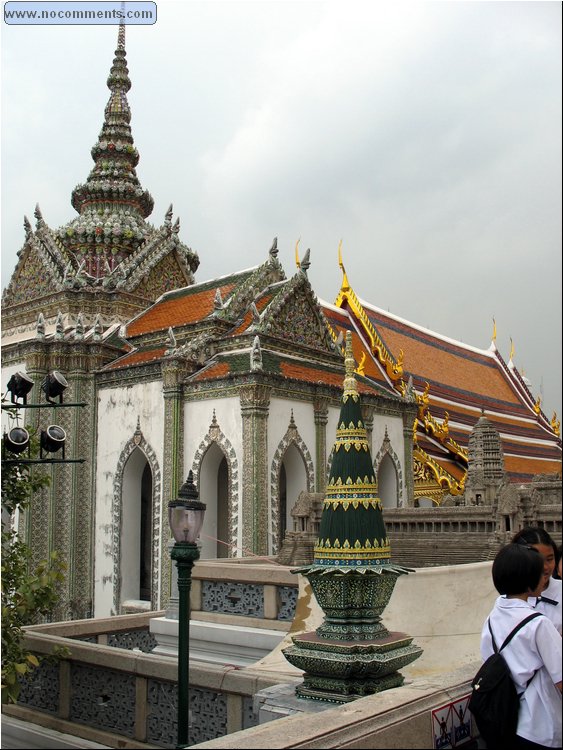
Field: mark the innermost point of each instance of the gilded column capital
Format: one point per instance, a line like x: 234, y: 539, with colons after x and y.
x: 255, y: 396
x: 368, y: 412
x: 409, y: 414
x: 320, y: 406
x: 173, y: 373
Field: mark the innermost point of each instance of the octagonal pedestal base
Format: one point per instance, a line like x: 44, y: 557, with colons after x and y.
x: 342, y: 671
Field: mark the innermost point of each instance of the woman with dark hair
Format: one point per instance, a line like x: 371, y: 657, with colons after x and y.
x: 533, y: 656
x: 550, y: 599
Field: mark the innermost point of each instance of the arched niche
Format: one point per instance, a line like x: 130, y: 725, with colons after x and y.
x: 136, y: 512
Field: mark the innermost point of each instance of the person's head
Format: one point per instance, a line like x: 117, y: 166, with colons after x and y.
x: 518, y: 570
x: 539, y: 539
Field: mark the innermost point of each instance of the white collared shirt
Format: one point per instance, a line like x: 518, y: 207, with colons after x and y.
x: 553, y: 611
x: 535, y: 651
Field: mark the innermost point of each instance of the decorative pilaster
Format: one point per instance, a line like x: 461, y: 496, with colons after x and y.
x: 321, y: 419
x: 173, y: 451
x: 173, y: 391
x: 255, y: 402
x: 37, y: 520
x: 81, y: 480
x: 61, y: 516
x: 408, y: 463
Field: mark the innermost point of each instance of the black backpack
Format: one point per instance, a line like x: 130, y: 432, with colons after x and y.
x: 494, y: 701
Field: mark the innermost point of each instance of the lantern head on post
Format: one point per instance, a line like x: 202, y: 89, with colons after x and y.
x: 54, y: 385
x: 186, y: 513
x: 19, y: 385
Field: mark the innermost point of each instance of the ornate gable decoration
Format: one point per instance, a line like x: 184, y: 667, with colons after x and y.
x: 295, y: 314
x: 270, y: 272
x: 36, y: 275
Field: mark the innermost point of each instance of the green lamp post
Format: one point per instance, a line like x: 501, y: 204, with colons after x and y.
x: 185, y: 515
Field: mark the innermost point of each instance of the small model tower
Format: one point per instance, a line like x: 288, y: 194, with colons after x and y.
x: 351, y: 654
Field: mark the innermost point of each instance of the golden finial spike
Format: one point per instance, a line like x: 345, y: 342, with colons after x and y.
x: 297, y: 261
x: 511, y: 350
x: 494, y: 330
x: 345, y: 283
x: 350, y: 385
x: 537, y: 405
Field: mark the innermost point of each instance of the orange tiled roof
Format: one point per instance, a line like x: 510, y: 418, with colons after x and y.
x: 176, y: 309
x: 524, y: 468
x: 137, y: 357
x: 311, y: 374
x: 441, y: 362
x: 216, y: 370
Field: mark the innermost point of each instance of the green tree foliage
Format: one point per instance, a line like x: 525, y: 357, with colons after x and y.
x: 27, y: 595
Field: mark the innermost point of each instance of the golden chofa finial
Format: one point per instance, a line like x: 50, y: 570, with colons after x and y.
x: 297, y: 261
x: 511, y: 350
x: 345, y: 284
x: 494, y: 330
x: 555, y: 424
x: 537, y: 405
x: 350, y: 384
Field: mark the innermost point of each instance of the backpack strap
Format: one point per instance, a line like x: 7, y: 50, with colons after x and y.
x: 520, y: 625
x: 495, y: 647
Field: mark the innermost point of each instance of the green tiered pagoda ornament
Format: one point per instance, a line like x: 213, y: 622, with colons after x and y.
x: 351, y: 654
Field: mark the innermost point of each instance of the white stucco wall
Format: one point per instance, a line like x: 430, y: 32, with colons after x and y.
x: 118, y: 411
x: 332, y: 424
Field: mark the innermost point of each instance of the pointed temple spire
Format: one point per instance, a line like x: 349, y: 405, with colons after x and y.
x: 112, y: 203
x: 352, y: 532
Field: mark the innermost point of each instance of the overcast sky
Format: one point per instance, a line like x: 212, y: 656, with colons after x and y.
x: 425, y: 135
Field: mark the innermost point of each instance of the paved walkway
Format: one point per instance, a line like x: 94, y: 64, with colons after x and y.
x: 21, y: 734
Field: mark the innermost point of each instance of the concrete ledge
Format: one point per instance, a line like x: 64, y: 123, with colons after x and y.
x: 98, y: 625
x: 243, y: 571
x: 221, y: 618
x: 396, y: 718
x: 218, y: 643
x: 48, y: 731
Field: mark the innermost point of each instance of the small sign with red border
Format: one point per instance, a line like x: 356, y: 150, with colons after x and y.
x: 451, y: 724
